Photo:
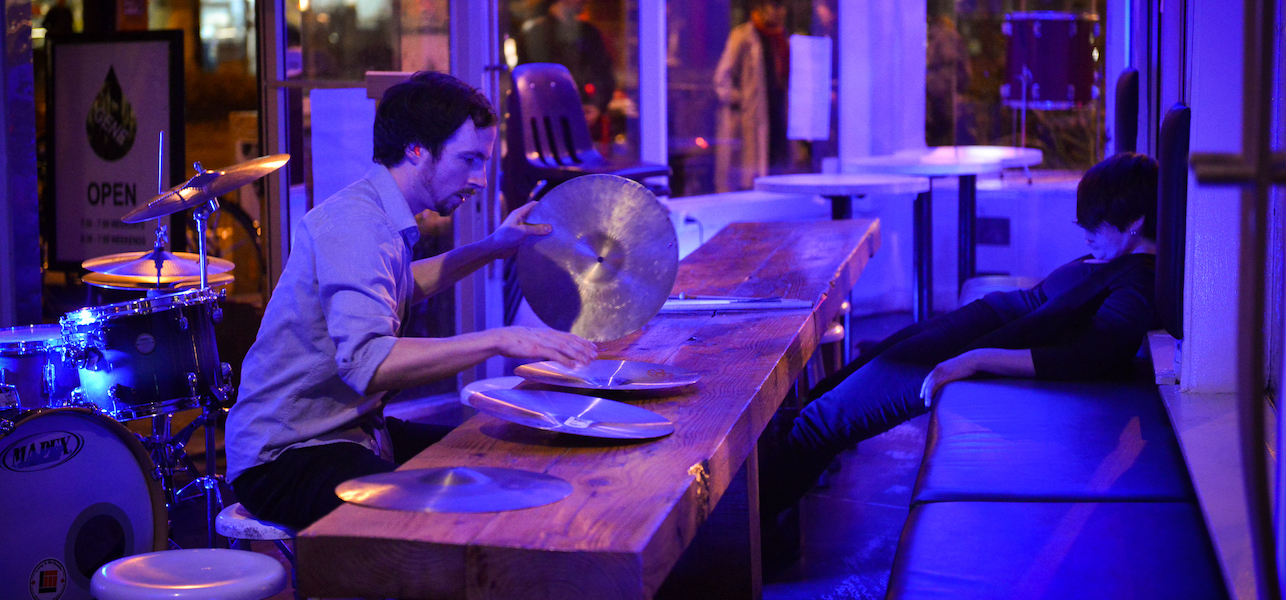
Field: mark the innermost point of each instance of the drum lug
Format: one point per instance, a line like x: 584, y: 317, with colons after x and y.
x: 225, y: 370
x: 192, y: 381
x: 6, y: 427
x: 9, y: 396
x: 216, y: 315
x: 183, y: 323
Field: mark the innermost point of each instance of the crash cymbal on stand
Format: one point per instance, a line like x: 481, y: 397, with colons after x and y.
x: 143, y: 264
x: 572, y: 413
x: 206, y: 186
x: 138, y: 282
x: 610, y: 262
x: 454, y: 490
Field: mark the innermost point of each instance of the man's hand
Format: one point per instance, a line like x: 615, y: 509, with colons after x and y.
x: 544, y: 344
x: 515, y: 229
x: 955, y: 369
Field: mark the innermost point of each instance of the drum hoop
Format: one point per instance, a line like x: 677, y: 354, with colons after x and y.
x: 90, y: 316
x: 160, y: 520
x: 33, y: 346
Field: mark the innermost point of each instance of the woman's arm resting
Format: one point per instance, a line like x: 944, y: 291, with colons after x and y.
x: 1009, y: 363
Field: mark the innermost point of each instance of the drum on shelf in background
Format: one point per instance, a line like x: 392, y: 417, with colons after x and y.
x: 79, y: 492
x: 1052, y: 54
x: 32, y: 361
x: 148, y: 357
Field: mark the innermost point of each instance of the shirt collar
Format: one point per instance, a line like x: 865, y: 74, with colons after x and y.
x: 394, y: 203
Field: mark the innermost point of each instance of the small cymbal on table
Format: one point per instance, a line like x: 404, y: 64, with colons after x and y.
x: 142, y: 264
x: 610, y: 262
x: 572, y: 413
x: 206, y: 186
x: 138, y: 282
x: 454, y: 490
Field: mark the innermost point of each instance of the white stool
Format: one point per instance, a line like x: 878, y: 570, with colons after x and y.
x: 193, y: 574
x: 238, y: 525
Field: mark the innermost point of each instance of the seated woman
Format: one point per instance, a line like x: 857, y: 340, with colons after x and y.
x: 1086, y: 320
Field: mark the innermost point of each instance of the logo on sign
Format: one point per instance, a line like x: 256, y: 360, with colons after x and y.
x: 41, y: 451
x: 111, y: 124
x: 48, y: 580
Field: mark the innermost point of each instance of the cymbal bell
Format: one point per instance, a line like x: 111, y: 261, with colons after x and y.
x: 206, y: 186
x: 454, y: 490
x: 610, y: 262
x: 139, y: 282
x: 143, y: 264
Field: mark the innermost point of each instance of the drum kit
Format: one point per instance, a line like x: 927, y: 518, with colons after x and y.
x: 80, y: 488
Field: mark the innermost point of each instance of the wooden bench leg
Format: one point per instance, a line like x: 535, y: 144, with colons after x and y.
x: 724, y: 561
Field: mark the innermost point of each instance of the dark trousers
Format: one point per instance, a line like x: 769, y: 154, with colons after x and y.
x: 871, y: 395
x: 298, y: 487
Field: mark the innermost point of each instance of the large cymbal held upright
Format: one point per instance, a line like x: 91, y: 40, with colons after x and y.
x: 206, y: 186
x: 610, y: 262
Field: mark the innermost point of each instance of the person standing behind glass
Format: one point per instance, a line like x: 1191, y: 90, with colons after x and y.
x: 751, y: 82
x: 560, y: 36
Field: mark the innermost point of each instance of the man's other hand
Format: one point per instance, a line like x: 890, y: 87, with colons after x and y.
x: 515, y: 229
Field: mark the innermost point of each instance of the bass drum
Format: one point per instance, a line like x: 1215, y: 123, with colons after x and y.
x: 79, y: 491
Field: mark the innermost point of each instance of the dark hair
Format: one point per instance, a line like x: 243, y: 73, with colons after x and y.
x: 1118, y: 191
x: 427, y: 110
x: 758, y: 4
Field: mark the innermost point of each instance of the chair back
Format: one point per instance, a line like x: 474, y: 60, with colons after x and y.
x: 1127, y: 111
x: 546, y: 108
x: 1172, y: 217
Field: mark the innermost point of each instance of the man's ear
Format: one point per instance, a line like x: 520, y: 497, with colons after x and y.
x: 414, y: 153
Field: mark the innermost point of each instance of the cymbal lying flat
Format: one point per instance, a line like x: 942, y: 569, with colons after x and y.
x: 572, y: 413
x: 624, y: 375
x: 454, y: 490
x: 206, y: 186
x: 610, y: 262
x: 142, y: 264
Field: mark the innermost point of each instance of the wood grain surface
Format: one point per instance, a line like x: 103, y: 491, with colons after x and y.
x: 635, y: 506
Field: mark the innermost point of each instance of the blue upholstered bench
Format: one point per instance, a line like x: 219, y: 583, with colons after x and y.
x: 1053, y: 490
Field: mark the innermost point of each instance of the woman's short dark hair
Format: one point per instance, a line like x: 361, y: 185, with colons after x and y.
x: 1118, y: 191
x: 426, y: 110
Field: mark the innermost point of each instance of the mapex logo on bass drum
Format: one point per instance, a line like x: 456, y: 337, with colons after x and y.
x: 41, y: 451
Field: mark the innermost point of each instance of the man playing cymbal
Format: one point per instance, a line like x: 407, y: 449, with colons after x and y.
x: 310, y: 411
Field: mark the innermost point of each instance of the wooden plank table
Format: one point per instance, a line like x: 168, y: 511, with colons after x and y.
x: 636, y: 506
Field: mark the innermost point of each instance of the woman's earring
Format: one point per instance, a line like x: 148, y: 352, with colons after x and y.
x: 1134, y: 232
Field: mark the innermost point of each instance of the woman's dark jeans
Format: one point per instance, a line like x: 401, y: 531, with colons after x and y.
x: 873, y: 394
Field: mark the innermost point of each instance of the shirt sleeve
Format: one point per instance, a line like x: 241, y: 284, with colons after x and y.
x: 1107, y: 344
x: 357, y: 264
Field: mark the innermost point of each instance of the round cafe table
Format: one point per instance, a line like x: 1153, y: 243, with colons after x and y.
x: 964, y: 162
x: 842, y: 188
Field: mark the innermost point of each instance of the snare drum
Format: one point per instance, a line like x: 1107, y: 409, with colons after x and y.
x: 79, y: 492
x: 148, y: 357
x: 31, y: 360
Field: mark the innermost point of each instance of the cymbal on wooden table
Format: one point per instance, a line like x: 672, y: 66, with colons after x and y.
x: 572, y: 413
x: 454, y: 490
x: 206, y: 186
x: 610, y: 262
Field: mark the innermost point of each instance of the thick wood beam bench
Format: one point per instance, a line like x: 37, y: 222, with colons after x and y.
x: 636, y: 508
x: 1053, y: 490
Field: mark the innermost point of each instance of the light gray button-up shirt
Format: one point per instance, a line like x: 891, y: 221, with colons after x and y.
x: 332, y: 319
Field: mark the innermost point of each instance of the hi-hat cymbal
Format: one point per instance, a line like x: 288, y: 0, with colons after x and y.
x: 206, y: 186
x: 454, y: 490
x: 572, y: 413
x: 143, y: 264
x: 623, y: 375
x: 139, y: 282
x: 610, y: 262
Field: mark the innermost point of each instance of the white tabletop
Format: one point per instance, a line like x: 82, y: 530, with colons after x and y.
x: 947, y: 160
x: 841, y: 184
